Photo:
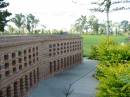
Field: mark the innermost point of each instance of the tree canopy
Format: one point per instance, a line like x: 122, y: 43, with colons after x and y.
x: 25, y: 21
x: 3, y: 15
x: 19, y: 20
x: 83, y: 24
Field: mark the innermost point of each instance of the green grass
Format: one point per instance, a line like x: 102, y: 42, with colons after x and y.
x: 90, y: 40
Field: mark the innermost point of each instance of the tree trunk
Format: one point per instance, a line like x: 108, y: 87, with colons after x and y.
x: 108, y: 26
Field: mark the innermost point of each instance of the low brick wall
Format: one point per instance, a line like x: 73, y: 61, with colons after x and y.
x: 24, y: 60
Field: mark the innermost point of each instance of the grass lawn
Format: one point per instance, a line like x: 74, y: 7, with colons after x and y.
x: 89, y: 40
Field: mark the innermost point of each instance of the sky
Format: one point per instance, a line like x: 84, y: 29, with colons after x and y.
x: 60, y: 14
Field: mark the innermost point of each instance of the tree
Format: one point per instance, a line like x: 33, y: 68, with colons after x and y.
x: 129, y: 27
x: 84, y: 24
x: 43, y: 29
x: 19, y: 20
x: 11, y: 29
x: 3, y: 15
x: 116, y: 28
x: 93, y: 24
x: 124, y: 25
x: 105, y: 5
x: 31, y: 22
x: 102, y: 28
x: 81, y: 24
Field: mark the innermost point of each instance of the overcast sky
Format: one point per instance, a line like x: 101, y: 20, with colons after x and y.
x: 60, y: 14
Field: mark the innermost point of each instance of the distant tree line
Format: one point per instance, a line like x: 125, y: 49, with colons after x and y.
x: 21, y: 24
x: 29, y: 24
x: 91, y: 25
x: 21, y: 21
x: 108, y: 6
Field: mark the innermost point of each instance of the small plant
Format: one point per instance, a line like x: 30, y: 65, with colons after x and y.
x: 68, y: 91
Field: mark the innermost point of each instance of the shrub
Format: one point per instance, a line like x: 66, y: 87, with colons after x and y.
x: 100, y: 70
x: 102, y: 46
x: 115, y: 81
x: 114, y: 69
x: 111, y: 55
x: 93, y: 53
x: 109, y: 52
x: 114, y: 54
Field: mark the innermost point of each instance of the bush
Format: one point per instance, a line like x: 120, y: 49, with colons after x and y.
x: 100, y: 70
x: 109, y: 52
x: 114, y: 54
x: 113, y: 72
x: 93, y: 53
x: 102, y: 46
x: 115, y: 81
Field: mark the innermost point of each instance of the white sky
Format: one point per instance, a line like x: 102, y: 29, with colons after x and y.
x: 60, y: 14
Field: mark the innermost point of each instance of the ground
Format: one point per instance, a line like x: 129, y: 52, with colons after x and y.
x: 80, y: 76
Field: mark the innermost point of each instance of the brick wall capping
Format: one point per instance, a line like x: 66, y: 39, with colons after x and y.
x: 6, y: 41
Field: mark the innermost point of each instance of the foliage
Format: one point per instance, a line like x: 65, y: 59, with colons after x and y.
x: 89, y: 42
x: 109, y: 52
x: 10, y: 29
x: 19, y: 20
x: 31, y: 22
x: 124, y: 25
x: 93, y: 23
x: 25, y: 23
x: 94, y: 53
x: 102, y: 28
x: 80, y: 25
x: 113, y: 72
x: 115, y: 81
x: 108, y: 6
x: 3, y: 15
x: 83, y: 25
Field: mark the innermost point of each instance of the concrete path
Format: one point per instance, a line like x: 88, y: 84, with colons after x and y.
x: 80, y: 77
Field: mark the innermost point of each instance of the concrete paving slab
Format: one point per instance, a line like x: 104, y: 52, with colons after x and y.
x: 80, y: 76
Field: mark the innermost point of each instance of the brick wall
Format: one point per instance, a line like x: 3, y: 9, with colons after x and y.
x: 24, y: 60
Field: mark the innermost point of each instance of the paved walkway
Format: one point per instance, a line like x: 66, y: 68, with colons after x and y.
x: 83, y: 84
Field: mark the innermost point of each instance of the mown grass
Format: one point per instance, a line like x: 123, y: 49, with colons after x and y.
x: 90, y: 40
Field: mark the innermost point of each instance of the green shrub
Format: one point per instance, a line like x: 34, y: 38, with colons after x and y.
x: 113, y: 72
x: 115, y: 81
x: 109, y: 52
x: 100, y: 70
x: 84, y: 55
x: 93, y: 53
x: 102, y: 46
x: 114, y: 54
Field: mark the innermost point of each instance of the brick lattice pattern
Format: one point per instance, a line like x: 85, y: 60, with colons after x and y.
x: 24, y: 60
